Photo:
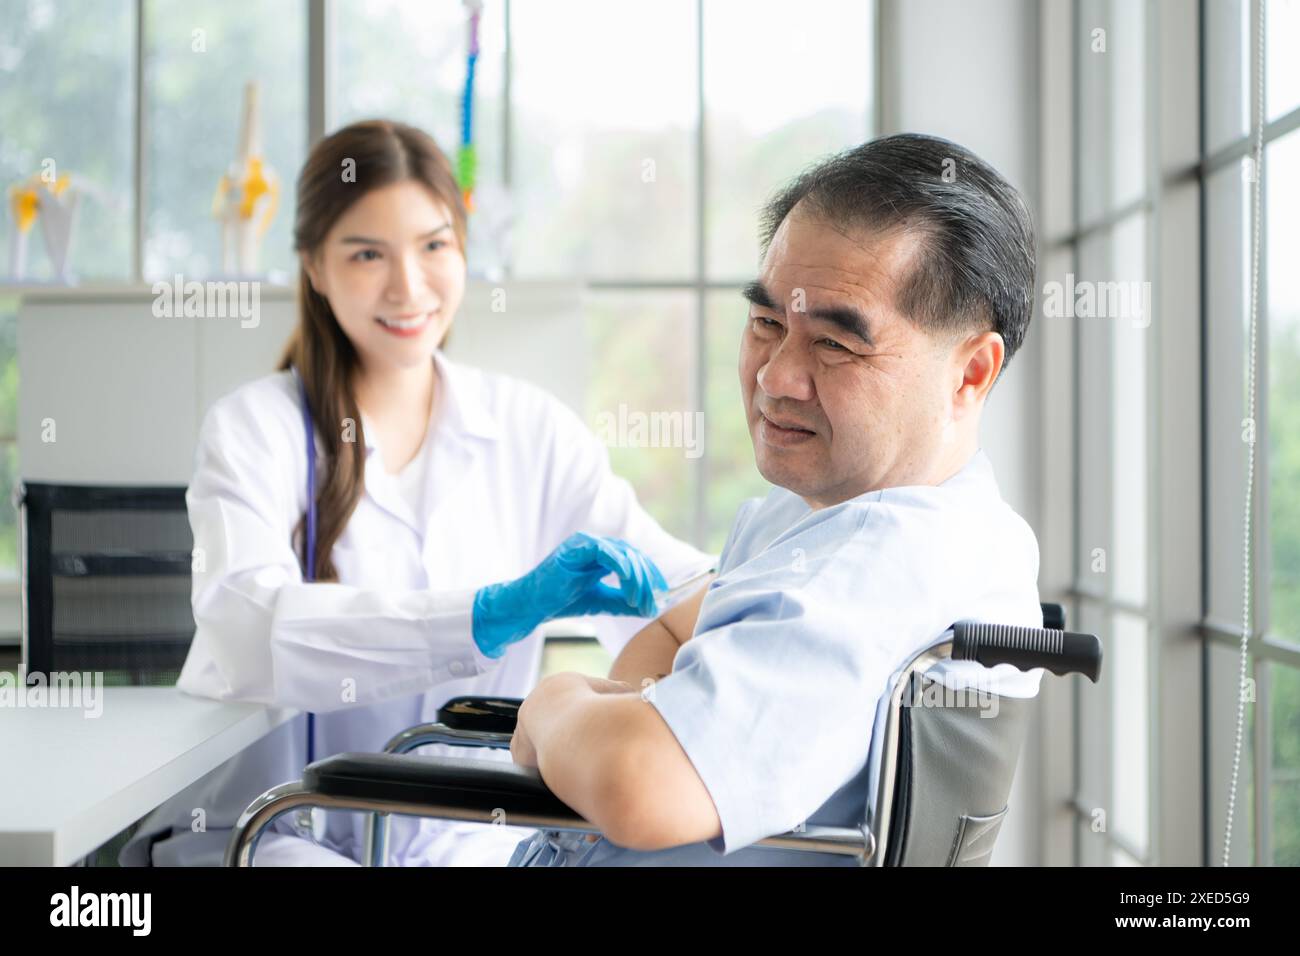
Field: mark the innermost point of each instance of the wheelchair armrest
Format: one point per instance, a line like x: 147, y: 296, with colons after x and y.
x: 442, y: 782
x: 495, y: 715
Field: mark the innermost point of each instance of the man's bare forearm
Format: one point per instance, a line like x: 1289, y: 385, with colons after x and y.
x: 573, y: 737
x: 611, y: 757
x: 648, y: 656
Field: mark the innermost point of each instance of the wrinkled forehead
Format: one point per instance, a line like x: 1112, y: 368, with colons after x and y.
x: 827, y: 263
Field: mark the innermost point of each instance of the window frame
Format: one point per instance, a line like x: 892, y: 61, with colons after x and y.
x: 320, y: 78
x: 1172, y: 425
x: 1187, y: 785
x: 320, y: 25
x: 1263, y: 646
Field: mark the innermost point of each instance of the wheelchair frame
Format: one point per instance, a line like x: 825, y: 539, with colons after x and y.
x: 452, y: 789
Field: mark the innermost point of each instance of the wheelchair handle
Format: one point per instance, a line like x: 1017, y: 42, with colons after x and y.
x: 1061, y: 652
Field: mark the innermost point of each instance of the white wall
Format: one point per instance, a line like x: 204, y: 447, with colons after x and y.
x: 967, y: 70
x: 126, y: 391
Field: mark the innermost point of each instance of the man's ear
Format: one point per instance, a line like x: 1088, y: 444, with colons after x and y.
x: 979, y: 360
x: 310, y: 266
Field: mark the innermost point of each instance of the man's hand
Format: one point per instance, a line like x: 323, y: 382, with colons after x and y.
x: 609, y: 755
x: 522, y: 751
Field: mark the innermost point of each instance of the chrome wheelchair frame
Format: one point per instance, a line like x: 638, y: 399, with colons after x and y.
x: 957, y: 823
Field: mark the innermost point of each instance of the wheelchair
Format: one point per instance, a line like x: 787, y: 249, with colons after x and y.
x: 941, y: 791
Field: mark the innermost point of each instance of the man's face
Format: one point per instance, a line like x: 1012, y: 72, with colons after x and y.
x: 864, y: 395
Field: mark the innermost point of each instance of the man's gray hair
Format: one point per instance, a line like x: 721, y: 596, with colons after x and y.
x: 975, y: 268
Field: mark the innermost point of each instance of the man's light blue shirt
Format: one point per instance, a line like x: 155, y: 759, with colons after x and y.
x: 799, y: 637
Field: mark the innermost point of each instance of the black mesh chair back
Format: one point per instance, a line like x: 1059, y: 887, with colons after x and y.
x: 105, y: 581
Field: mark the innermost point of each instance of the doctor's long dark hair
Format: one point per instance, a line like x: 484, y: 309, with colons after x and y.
x: 341, y: 169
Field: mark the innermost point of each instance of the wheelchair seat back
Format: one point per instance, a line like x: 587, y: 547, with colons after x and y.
x: 957, y: 756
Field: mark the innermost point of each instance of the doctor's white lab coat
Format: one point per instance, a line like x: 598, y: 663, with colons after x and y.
x: 513, y: 472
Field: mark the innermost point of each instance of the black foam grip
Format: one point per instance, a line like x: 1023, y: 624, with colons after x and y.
x: 1061, y: 652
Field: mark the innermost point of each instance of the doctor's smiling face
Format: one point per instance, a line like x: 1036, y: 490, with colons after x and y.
x: 394, y: 274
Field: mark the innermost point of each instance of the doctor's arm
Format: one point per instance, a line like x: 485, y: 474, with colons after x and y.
x: 607, y: 753
x: 266, y: 636
x: 263, y: 634
x: 585, y: 494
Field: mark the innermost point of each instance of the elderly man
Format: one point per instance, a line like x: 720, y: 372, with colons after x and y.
x: 896, y: 283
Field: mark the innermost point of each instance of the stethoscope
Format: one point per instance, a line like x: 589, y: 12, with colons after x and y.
x: 310, y: 819
x: 309, y: 559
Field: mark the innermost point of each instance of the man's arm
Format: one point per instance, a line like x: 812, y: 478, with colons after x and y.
x: 610, y: 756
x: 650, y: 653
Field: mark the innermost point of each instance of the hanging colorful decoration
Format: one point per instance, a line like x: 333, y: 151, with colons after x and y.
x: 466, y: 160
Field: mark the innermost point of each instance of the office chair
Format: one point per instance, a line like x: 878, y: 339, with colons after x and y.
x: 105, y: 581
x: 961, y: 760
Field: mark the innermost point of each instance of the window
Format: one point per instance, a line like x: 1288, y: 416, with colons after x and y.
x: 204, y: 52
x: 68, y: 88
x: 406, y: 61
x: 603, y: 102
x: 85, y: 55
x: 631, y: 147
x: 1101, y: 265
x: 645, y: 184
x: 67, y: 105
x: 1266, y: 831
x: 1163, y: 109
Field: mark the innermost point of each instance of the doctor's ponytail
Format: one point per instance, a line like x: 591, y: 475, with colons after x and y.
x: 341, y: 169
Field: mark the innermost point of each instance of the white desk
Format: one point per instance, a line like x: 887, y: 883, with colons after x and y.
x: 69, y: 783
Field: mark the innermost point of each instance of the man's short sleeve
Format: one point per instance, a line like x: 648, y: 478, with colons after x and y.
x: 731, y: 555
x: 774, y: 712
x: 774, y: 698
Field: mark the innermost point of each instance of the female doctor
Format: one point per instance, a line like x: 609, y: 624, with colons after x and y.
x: 455, y: 511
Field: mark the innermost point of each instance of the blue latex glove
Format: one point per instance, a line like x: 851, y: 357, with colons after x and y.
x: 567, y: 584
